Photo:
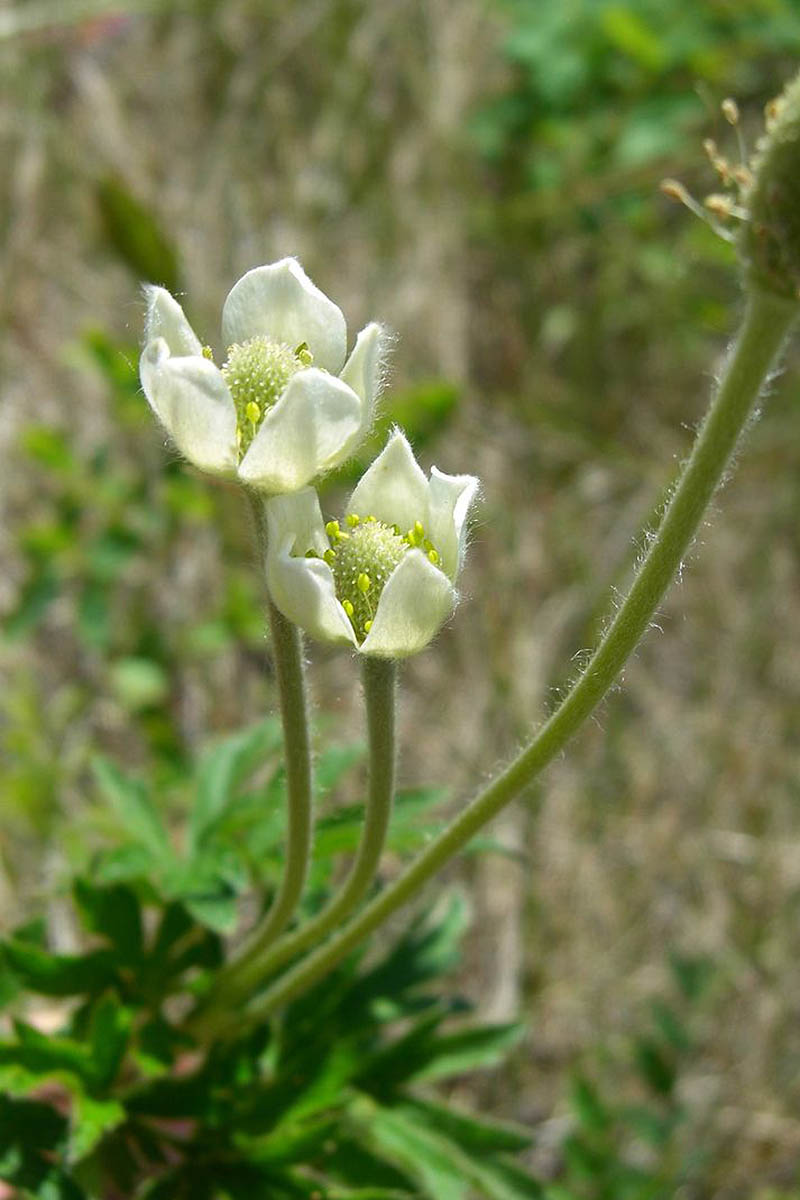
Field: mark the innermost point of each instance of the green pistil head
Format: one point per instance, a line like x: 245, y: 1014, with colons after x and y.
x: 361, y: 564
x: 362, y: 559
x: 257, y: 372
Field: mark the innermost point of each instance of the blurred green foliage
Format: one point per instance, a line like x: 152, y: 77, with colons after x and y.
x: 334, y: 1101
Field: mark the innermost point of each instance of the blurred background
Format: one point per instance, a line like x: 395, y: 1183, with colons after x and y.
x: 482, y: 176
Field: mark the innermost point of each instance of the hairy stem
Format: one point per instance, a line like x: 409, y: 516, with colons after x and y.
x: 261, y: 959
x: 767, y: 320
x: 287, y: 652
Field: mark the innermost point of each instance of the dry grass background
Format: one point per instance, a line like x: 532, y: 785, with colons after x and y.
x: 338, y: 131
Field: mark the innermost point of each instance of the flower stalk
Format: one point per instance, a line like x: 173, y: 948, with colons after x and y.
x: 263, y: 956
x: 768, y: 319
x: 287, y: 652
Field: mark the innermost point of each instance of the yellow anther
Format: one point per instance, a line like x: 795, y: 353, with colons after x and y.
x: 348, y: 608
x: 311, y: 554
x: 419, y: 530
x: 367, y: 626
x: 363, y: 583
x: 329, y: 557
x: 721, y: 206
x: 730, y: 111
x: 304, y: 355
x: 333, y: 531
x: 371, y: 518
x: 675, y: 191
x: 353, y: 520
x: 208, y: 353
x: 433, y: 556
x: 252, y: 412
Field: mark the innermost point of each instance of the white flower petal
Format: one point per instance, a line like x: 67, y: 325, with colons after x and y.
x: 394, y: 488
x: 191, y: 399
x: 166, y: 319
x: 449, y: 501
x: 362, y: 371
x: 311, y: 428
x: 303, y: 590
x: 280, y: 301
x: 416, y: 601
x: 295, y: 520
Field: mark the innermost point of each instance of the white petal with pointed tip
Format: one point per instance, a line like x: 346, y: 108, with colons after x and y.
x: 362, y: 371
x: 449, y: 501
x: 310, y: 429
x: 191, y: 399
x: 166, y: 319
x: 279, y: 301
x: 416, y: 601
x: 394, y: 488
x: 303, y: 590
x: 295, y: 520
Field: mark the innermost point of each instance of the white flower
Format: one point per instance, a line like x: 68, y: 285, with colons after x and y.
x: 385, y: 581
x: 284, y: 406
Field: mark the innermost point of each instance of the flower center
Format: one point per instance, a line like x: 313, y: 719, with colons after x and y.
x: 362, y: 557
x: 257, y: 372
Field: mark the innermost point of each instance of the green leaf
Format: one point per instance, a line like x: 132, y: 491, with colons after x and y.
x: 692, y: 974
x: 654, y: 1066
x: 470, y: 1049
x: 134, y: 807
x: 138, y: 683
x: 108, y: 1038
x: 91, y: 1120
x: 589, y: 1108
x: 429, y: 948
x: 218, y: 912
x: 59, y: 974
x: 424, y: 1158
x: 37, y: 595
x: 223, y: 769
x: 671, y: 1027
x: 134, y: 233
x: 113, y: 913
x: 476, y: 1135
x: 401, y: 1059
x: 44, y: 1053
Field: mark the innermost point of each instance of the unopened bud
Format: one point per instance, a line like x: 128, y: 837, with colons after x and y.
x: 770, y: 239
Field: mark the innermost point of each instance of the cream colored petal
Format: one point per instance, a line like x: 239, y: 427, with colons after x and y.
x: 394, y: 488
x: 280, y: 301
x: 309, y: 430
x: 295, y: 521
x: 416, y: 601
x: 166, y: 319
x: 363, y: 370
x: 190, y: 398
x: 303, y: 590
x: 449, y: 501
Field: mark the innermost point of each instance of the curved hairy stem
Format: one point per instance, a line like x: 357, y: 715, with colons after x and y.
x: 260, y: 959
x: 287, y: 652
x: 767, y: 321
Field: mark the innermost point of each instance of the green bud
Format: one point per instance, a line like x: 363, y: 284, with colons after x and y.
x: 770, y: 237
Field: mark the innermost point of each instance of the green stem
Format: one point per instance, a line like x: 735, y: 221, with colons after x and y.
x: 260, y: 959
x: 287, y: 652
x: 767, y: 321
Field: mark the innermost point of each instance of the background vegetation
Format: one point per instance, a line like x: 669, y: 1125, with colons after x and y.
x: 484, y: 178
